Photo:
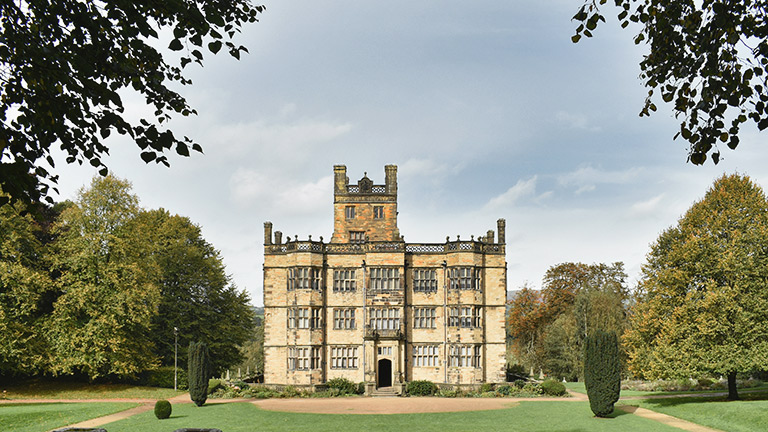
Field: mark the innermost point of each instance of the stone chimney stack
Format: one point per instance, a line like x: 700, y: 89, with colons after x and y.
x: 502, y: 225
x: 390, y: 179
x: 267, y: 233
x: 340, y: 179
x: 489, y: 236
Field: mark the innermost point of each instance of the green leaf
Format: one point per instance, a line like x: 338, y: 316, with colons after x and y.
x: 175, y: 45
x: 148, y: 156
x: 575, y: 38
x: 214, y: 46
x: 698, y: 158
x: 182, y: 149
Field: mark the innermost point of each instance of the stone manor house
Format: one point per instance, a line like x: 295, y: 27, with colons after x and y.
x: 369, y: 307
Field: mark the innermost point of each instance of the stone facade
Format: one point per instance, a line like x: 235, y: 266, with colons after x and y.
x: 372, y: 308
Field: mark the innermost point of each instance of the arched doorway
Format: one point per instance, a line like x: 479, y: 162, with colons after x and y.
x: 385, y: 373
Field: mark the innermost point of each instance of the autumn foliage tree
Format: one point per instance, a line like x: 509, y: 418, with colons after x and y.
x: 703, y: 304
x: 525, y: 319
x: 548, y: 327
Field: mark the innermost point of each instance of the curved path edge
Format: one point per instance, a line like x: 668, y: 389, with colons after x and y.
x: 666, y: 419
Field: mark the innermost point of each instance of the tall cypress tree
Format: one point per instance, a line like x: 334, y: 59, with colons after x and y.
x: 602, y: 371
x: 198, y: 372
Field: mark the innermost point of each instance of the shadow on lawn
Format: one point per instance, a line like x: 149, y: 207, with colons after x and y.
x: 666, y: 402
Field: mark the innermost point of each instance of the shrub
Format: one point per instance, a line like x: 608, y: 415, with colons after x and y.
x: 553, y: 387
x: 421, y: 388
x: 519, y: 383
x: 530, y: 389
x: 602, y: 372
x: 291, y: 392
x: 213, y: 385
x: 505, y: 390
x: 486, y: 387
x: 705, y: 383
x: 163, y: 409
x: 262, y: 392
x: 361, y: 387
x: 163, y: 377
x: 450, y: 393
x: 198, y: 372
x: 341, y: 386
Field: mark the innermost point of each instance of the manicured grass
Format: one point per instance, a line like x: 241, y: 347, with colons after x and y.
x: 749, y: 414
x: 75, y: 390
x: 527, y: 416
x: 43, y: 417
x: 578, y: 387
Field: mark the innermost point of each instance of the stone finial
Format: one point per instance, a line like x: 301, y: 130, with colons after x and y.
x: 447, y: 239
x: 321, y: 239
x: 310, y: 237
x: 501, y: 225
x: 267, y: 233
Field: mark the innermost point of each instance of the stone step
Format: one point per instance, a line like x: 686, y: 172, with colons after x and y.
x: 385, y: 392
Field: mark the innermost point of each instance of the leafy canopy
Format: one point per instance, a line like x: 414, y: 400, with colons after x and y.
x: 703, y: 303
x: 709, y: 59
x: 65, y: 64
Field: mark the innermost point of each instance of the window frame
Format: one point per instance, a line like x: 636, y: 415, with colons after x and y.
x: 425, y: 355
x: 384, y: 279
x: 464, y: 278
x: 357, y: 237
x: 425, y: 317
x: 344, y: 319
x: 344, y: 357
x: 383, y: 318
x: 344, y: 280
x: 304, y: 278
x: 424, y: 280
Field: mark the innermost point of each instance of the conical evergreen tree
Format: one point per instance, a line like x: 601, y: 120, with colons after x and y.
x: 199, y: 372
x: 602, y: 371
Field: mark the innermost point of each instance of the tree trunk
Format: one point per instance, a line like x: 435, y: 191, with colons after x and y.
x: 733, y: 394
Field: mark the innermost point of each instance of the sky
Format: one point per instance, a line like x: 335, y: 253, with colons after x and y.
x: 488, y: 109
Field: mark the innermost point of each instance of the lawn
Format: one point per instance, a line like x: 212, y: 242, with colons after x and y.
x: 531, y: 416
x: 42, y: 417
x: 74, y: 390
x: 578, y: 387
x: 748, y: 414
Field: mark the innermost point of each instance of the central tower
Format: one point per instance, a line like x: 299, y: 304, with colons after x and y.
x: 364, y: 211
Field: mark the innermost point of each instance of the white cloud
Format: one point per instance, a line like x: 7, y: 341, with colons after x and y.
x: 586, y: 178
x: 284, y: 141
x: 575, y: 121
x: 250, y: 187
x: 649, y: 206
x: 521, y: 189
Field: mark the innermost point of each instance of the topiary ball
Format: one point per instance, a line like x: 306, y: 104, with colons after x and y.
x: 162, y: 409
